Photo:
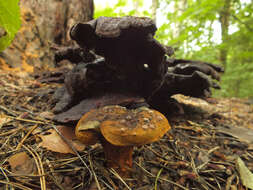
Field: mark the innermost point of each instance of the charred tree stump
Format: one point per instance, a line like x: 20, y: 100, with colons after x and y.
x: 134, y: 65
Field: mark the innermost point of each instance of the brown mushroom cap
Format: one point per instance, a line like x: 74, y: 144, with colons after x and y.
x: 88, y: 127
x: 89, y: 137
x: 137, y: 127
x: 87, y: 132
x: 122, y: 127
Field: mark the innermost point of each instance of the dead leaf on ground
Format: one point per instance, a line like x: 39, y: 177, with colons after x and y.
x: 202, y: 158
x: 47, y: 115
x: 21, y: 163
x: 245, y: 174
x: 55, y: 143
x: 4, y: 119
x: 243, y: 134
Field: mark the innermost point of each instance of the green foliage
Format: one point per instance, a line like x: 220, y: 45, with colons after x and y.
x: 122, y: 8
x: 9, y: 21
x: 116, y: 10
x: 238, y: 79
x: 192, y: 30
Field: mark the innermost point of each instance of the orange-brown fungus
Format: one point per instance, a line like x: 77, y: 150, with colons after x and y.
x: 88, y: 137
x: 138, y: 127
x: 118, y: 157
x: 119, y: 130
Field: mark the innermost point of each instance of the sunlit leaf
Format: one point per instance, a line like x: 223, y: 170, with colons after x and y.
x: 245, y: 174
x: 9, y: 21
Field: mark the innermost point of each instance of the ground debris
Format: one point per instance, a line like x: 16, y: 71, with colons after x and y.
x: 54, y: 142
x: 21, y: 163
x: 195, y: 154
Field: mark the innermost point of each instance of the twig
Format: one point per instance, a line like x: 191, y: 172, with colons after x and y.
x: 8, y: 111
x: 6, y: 141
x: 106, y: 184
x: 66, y: 170
x: 72, y: 147
x: 26, y: 136
x: 12, y: 86
x: 68, y: 160
x: 118, y: 176
x: 94, y: 174
x: 11, y: 131
x: 106, y: 174
x: 42, y: 178
x: 249, y: 154
x: 24, y: 176
x: 7, y: 187
x: 229, y: 181
x: 25, y: 110
x: 217, y: 182
x: 42, y: 170
x: 15, y: 185
x: 4, y: 153
x: 77, y: 186
x: 169, y: 181
x: 202, y: 181
x: 157, y: 177
x: 53, y: 176
x: 21, y: 175
x: 24, y: 182
x: 222, y: 163
x: 65, y: 162
x: 213, y: 149
x: 157, y: 164
x: 160, y: 156
x: 27, y: 120
x: 205, y: 163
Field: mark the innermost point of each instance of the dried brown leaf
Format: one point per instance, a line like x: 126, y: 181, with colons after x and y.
x: 243, y: 134
x: 47, y: 115
x: 55, y: 143
x: 4, y: 119
x: 21, y: 163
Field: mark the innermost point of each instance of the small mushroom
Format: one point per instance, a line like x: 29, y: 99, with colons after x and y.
x: 119, y: 130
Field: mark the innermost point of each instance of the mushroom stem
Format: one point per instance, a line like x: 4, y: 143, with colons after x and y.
x: 118, y: 157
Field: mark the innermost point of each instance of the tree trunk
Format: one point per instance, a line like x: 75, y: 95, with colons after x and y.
x: 136, y: 7
x: 43, y: 23
x: 154, y: 9
x: 179, y: 8
x: 224, y: 21
x: 237, y: 88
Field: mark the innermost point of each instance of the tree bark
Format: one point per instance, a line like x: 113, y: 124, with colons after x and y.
x: 136, y: 7
x: 43, y: 23
x: 179, y: 8
x: 154, y: 9
x: 224, y: 21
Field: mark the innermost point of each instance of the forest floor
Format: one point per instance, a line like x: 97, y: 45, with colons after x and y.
x: 205, y: 149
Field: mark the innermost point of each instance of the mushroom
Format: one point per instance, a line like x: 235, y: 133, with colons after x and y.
x: 119, y: 130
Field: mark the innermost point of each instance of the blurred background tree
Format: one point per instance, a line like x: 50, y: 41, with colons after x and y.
x: 218, y: 31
